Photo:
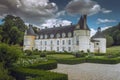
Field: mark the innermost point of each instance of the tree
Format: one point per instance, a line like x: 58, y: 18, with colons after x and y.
x: 110, y: 40
x: 9, y: 54
x: 118, y: 39
x: 4, y: 73
x: 13, y: 30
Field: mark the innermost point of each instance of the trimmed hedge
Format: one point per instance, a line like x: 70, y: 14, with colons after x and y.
x: 89, y: 60
x: 103, y: 60
x: 71, y: 61
x: 23, y: 73
x: 48, y: 65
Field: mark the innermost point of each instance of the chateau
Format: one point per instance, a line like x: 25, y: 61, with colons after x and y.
x: 71, y: 38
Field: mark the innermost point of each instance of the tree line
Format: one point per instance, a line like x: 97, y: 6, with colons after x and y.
x: 113, y: 35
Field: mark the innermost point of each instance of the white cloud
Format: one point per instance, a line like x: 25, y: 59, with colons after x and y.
x: 60, y: 13
x: 103, y: 10
x: 99, y: 21
x: 32, y: 11
x: 55, y: 22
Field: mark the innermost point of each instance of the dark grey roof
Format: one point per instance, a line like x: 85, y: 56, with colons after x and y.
x: 55, y: 30
x: 99, y: 34
x: 82, y: 23
x: 30, y: 31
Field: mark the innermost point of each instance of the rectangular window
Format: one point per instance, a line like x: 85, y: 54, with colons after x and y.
x: 51, y: 48
x: 41, y: 42
x: 57, y: 42
x: 63, y: 42
x: 69, y: 42
x: 57, y: 48
x: 45, y: 42
x: 63, y: 48
x: 69, y: 48
x: 51, y: 42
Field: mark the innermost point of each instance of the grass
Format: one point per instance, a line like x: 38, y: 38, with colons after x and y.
x: 113, y: 49
x: 60, y: 56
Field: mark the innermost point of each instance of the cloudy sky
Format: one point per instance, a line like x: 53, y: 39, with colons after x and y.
x: 101, y: 13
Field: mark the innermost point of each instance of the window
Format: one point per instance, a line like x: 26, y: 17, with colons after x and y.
x: 45, y: 42
x: 69, y: 34
x: 51, y: 48
x: 69, y: 42
x: 77, y: 42
x: 45, y: 48
x: 63, y: 35
x: 46, y: 36
x: 63, y: 42
x: 41, y: 36
x: 40, y: 42
x: 97, y: 43
x: 63, y: 48
x: 51, y: 36
x: 51, y: 42
x: 69, y: 48
x: 58, y: 35
x: 57, y: 48
x: 57, y: 42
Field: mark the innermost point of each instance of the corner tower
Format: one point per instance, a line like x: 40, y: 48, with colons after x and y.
x: 99, y: 41
x: 82, y: 35
x: 29, y: 39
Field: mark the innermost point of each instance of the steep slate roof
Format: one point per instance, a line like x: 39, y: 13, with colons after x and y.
x: 83, y: 23
x: 30, y: 31
x: 98, y: 34
x: 55, y: 30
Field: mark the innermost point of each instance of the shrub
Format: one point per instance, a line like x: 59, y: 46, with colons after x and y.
x: 103, y: 60
x: 9, y: 54
x: 51, y: 64
x: 43, y: 54
x: 28, y: 52
x: 72, y: 61
x: 23, y: 73
x: 79, y: 54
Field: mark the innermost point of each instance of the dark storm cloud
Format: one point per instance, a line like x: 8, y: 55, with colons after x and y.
x: 88, y: 7
x: 32, y: 11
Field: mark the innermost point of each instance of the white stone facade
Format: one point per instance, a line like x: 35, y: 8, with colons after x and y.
x: 72, y: 38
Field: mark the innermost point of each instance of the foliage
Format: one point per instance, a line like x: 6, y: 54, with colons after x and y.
x: 9, y: 54
x: 110, y: 40
x: 113, y: 32
x: 35, y: 74
x: 4, y: 73
x: 71, y: 60
x: 43, y: 54
x: 45, y: 65
x: 12, y: 30
x: 79, y: 54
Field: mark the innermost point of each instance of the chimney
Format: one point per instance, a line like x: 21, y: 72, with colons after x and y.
x: 60, y: 25
x: 45, y: 27
x: 71, y: 23
x: 85, y: 21
x: 54, y: 26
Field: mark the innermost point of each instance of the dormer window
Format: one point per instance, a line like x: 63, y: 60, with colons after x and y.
x: 69, y: 34
x: 46, y: 36
x: 63, y: 35
x: 51, y: 36
x: 58, y: 35
x: 41, y: 36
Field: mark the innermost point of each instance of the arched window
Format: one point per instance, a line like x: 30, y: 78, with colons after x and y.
x: 63, y: 35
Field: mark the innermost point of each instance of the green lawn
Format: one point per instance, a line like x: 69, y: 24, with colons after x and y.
x: 59, y: 56
x: 113, y: 49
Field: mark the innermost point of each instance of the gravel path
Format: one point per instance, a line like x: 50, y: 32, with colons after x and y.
x: 89, y: 71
